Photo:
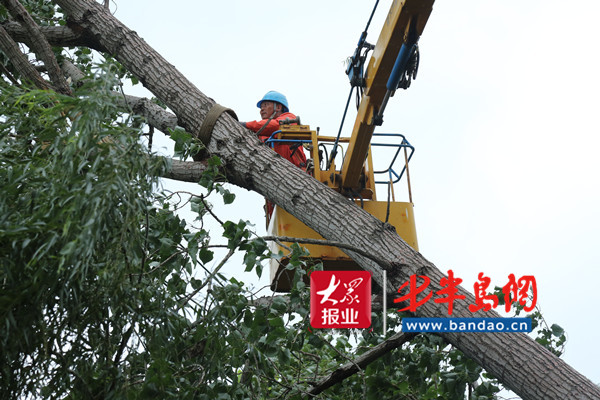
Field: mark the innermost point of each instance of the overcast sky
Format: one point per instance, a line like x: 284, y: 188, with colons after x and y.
x: 503, y: 115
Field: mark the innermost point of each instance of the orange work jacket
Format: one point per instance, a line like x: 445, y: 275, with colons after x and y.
x: 293, y: 153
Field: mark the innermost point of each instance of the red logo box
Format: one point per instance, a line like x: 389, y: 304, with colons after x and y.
x: 340, y: 299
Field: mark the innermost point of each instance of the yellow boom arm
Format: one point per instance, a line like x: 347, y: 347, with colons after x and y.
x: 406, y: 18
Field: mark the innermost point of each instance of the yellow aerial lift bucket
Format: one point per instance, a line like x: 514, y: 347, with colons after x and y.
x: 283, y: 224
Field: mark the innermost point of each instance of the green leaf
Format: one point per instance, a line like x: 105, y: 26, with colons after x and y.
x: 206, y: 255
x: 228, y: 197
x: 557, y: 330
x: 195, y: 283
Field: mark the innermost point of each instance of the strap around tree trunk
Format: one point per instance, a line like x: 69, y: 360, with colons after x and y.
x: 210, y: 120
x: 207, y: 127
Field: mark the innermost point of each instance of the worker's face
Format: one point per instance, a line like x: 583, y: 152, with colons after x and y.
x: 268, y: 107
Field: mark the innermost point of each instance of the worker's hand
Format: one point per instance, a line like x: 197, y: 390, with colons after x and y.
x: 243, y: 124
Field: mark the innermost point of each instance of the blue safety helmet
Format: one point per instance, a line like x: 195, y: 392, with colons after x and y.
x: 277, y: 97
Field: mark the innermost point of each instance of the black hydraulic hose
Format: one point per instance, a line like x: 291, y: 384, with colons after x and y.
x: 337, y: 139
x: 371, y: 17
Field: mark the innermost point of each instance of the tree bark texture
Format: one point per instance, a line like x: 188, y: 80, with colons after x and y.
x: 186, y: 171
x: 516, y: 360
x: 61, y: 36
x: 20, y: 61
x: 39, y: 44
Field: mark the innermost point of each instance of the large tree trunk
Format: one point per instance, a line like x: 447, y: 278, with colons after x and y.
x: 516, y: 360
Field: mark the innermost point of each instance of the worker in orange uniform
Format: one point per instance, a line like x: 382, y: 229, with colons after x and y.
x: 274, y: 108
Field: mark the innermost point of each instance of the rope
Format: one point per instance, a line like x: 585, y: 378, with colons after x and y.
x: 337, y: 139
x: 266, y: 123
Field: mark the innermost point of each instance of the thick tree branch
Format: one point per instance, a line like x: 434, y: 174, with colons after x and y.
x: 39, y: 44
x: 362, y: 361
x: 515, y: 359
x: 71, y: 71
x: 186, y: 171
x: 8, y: 74
x: 62, y: 36
x: 156, y: 116
x: 20, y: 61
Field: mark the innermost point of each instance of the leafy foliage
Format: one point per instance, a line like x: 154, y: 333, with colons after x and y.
x: 77, y: 238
